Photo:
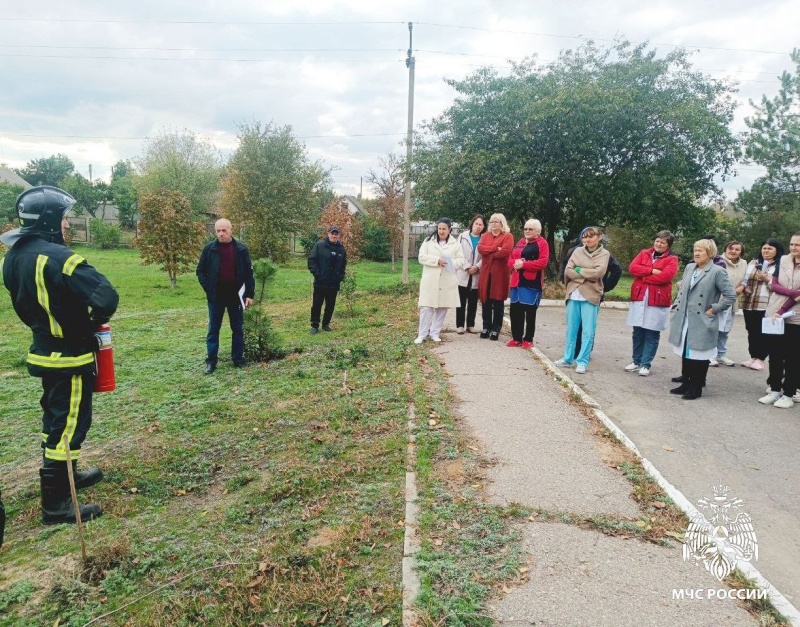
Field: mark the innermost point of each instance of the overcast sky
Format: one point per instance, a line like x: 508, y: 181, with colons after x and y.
x: 94, y: 79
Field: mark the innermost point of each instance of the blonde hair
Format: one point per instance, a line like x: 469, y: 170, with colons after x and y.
x: 533, y: 223
x: 708, y: 245
x: 502, y: 218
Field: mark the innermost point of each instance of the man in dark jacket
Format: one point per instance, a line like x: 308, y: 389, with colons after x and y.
x: 327, y: 262
x: 226, y: 274
x: 63, y: 300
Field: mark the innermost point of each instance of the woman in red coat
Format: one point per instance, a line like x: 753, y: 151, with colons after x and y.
x: 651, y: 296
x: 495, y: 247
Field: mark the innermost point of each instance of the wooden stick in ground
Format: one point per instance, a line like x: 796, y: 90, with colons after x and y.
x: 74, y: 494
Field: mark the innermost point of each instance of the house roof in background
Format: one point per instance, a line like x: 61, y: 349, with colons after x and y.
x: 9, y: 176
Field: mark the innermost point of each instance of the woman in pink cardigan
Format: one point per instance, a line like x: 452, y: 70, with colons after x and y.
x: 527, y: 263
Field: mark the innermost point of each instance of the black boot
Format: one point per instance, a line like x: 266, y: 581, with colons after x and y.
x: 681, y: 389
x: 83, y: 478
x: 694, y: 392
x: 2, y: 519
x: 677, y: 379
x: 56, y: 500
x: 86, y: 478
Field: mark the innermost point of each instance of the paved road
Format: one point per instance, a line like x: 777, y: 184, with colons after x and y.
x: 725, y: 437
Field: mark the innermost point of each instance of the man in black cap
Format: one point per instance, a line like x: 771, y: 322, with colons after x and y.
x: 63, y: 300
x: 327, y: 262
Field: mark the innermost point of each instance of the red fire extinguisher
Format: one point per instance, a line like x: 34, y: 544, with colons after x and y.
x: 105, y: 381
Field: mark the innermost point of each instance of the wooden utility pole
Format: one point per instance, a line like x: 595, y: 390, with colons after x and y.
x: 410, y: 63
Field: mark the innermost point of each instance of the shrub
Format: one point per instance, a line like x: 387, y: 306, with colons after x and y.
x: 103, y: 234
x: 261, y: 341
x: 376, y: 241
x: 348, y: 291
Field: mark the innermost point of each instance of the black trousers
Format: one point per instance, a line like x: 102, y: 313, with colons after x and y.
x: 492, y: 313
x: 469, y: 306
x: 322, y: 295
x: 784, y: 360
x: 757, y: 344
x: 523, y: 321
x: 67, y: 408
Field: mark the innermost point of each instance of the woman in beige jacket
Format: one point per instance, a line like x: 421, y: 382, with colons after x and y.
x: 584, y: 276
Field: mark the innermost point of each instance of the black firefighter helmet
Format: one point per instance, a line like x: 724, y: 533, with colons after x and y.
x: 40, y: 210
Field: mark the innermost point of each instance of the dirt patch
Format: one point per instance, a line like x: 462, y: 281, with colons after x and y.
x: 327, y: 536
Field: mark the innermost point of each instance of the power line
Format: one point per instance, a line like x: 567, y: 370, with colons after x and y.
x: 584, y: 37
x: 212, y: 22
x: 226, y: 59
x: 346, y: 136
x: 49, y: 46
x: 377, y: 23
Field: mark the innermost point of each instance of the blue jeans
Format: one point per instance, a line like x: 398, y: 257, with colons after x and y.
x: 580, y: 313
x: 645, y: 345
x: 722, y: 343
x: 216, y: 310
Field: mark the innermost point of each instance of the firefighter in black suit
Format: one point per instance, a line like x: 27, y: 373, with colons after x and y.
x: 63, y: 300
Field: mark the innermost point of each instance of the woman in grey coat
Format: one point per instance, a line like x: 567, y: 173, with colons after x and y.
x: 694, y: 328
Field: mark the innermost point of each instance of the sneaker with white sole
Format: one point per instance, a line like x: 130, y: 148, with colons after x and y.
x: 580, y: 369
x: 419, y: 340
x: 436, y: 338
x: 725, y: 361
x: 770, y: 399
x: 796, y: 398
x: 644, y: 372
x: 713, y: 363
x: 460, y: 330
x: 632, y: 367
x: 784, y: 402
x: 747, y: 362
x: 561, y: 363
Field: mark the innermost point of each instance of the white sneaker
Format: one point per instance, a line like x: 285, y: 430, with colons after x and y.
x: 419, y: 340
x: 713, y: 362
x: 632, y: 367
x: 770, y: 399
x: 460, y: 330
x: 784, y: 402
x: 796, y: 398
x: 562, y: 364
x: 726, y: 362
x: 644, y: 372
x: 580, y: 369
x: 436, y: 338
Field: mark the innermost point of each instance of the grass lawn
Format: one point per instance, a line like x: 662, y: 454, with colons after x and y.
x: 268, y: 495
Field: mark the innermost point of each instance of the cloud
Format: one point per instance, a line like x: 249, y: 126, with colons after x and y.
x: 120, y: 72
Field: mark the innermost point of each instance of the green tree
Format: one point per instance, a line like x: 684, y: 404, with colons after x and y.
x: 122, y: 192
x: 8, y: 200
x: 615, y: 136
x: 388, y: 183
x: 47, y: 170
x: 773, y: 141
x: 272, y: 189
x: 90, y: 197
x: 183, y: 162
x: 169, y: 236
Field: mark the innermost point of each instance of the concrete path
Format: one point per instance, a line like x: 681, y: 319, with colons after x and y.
x: 547, y: 457
x: 726, y: 436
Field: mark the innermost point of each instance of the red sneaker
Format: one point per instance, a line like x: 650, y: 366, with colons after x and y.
x: 527, y: 345
x: 513, y: 343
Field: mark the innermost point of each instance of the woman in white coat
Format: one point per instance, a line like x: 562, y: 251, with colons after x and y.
x: 440, y: 256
